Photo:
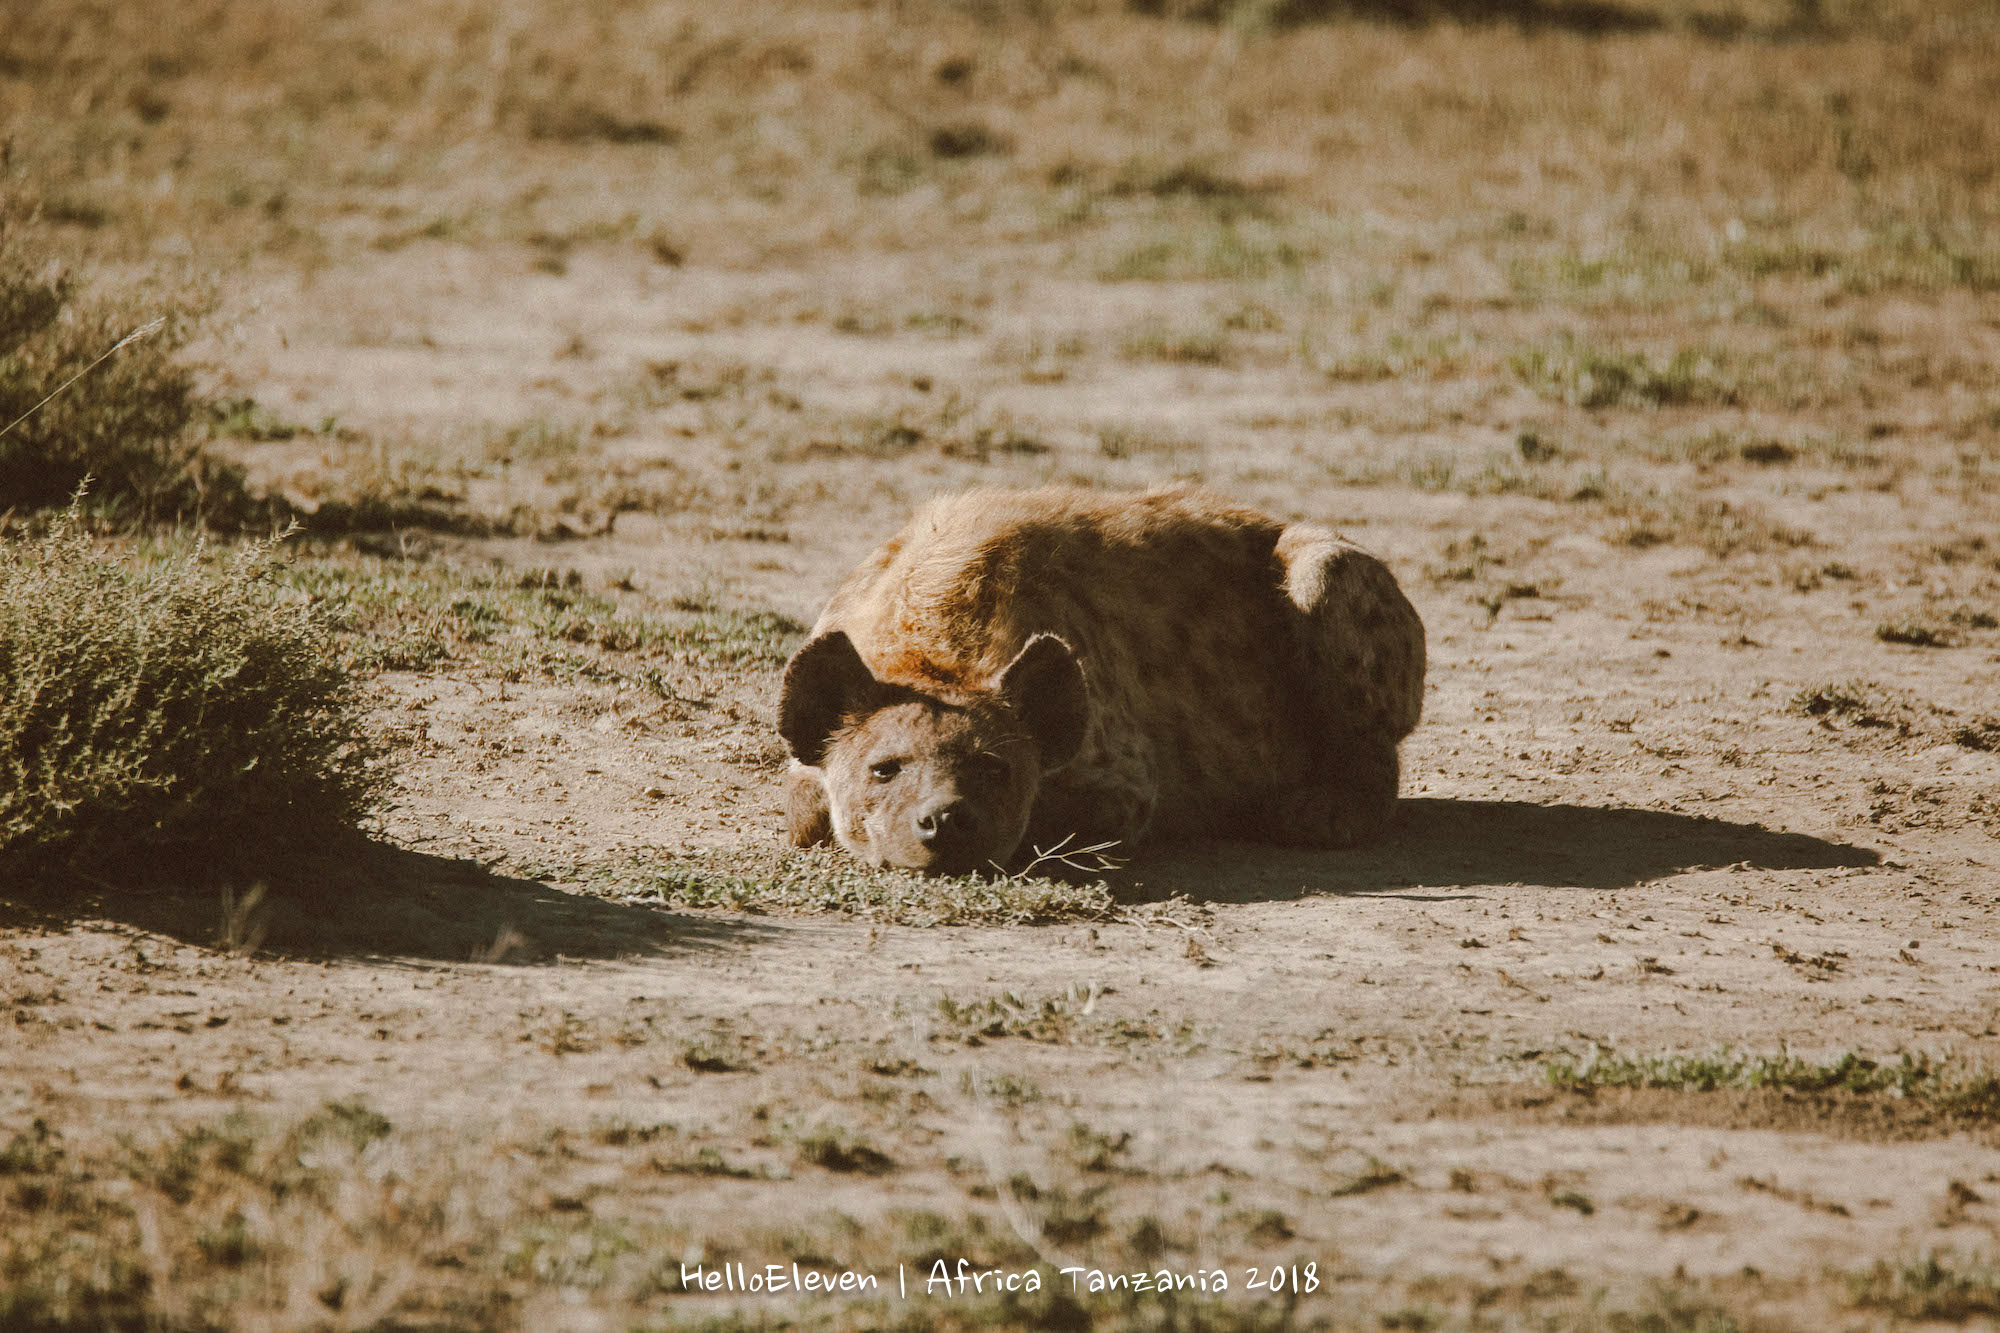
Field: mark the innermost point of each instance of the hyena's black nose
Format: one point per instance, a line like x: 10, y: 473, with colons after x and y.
x: 941, y: 821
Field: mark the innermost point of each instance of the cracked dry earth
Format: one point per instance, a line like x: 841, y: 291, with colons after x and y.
x: 1622, y: 835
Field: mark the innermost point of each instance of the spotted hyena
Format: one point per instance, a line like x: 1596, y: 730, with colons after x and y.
x: 1017, y: 668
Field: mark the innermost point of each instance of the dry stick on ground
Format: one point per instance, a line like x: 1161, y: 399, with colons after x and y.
x: 1099, y: 861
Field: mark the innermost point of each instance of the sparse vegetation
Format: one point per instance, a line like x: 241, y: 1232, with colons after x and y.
x: 718, y: 1052
x: 1981, y: 733
x: 1376, y: 1175
x: 1577, y: 371
x: 1575, y: 1202
x: 243, y: 1196
x: 1122, y: 443
x: 1940, y: 1084
x: 1943, y: 1286
x: 1189, y: 346
x: 831, y: 881
x: 837, y: 1148
x: 403, y: 615
x: 1719, y: 527
x: 1855, y: 703
x: 1206, y: 249
x: 1400, y: 356
x: 178, y: 717
x: 1912, y: 634
x: 248, y: 419
x: 1053, y: 1018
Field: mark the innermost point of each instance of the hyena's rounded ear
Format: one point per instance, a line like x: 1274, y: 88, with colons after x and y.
x: 1044, y: 687
x: 825, y: 681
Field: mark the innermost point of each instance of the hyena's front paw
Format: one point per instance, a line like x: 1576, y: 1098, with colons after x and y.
x: 808, y: 816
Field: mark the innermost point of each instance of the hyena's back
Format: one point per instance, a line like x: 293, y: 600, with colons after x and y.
x: 1174, y: 602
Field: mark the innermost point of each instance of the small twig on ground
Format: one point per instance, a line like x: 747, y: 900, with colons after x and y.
x: 1091, y: 860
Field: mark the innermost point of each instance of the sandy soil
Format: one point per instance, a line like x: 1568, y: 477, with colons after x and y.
x: 1621, y: 837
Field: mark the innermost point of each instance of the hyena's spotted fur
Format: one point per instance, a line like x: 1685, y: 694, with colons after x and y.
x: 1019, y: 668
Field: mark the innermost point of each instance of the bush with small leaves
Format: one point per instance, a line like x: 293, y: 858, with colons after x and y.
x: 181, y: 719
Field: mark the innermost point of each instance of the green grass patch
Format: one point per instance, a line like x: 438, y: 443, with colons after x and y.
x: 1635, y: 517
x: 1205, y: 249
x: 1714, y: 446
x: 396, y: 615
x: 1399, y: 355
x: 1375, y: 1175
x: 1193, y: 182
x: 1631, y: 277
x: 705, y: 1161
x: 1182, y: 345
x: 1940, y: 1085
x: 1944, y: 1286
x: 1894, y: 255
x: 1493, y: 472
x: 567, y: 1252
x: 534, y: 441
x: 1570, y: 1199
x: 1575, y: 370
x: 1068, y: 1017
x: 175, y: 717
x: 1052, y: 1018
x: 886, y: 169
x: 830, y: 881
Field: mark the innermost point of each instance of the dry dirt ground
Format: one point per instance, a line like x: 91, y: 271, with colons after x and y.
x: 1710, y: 763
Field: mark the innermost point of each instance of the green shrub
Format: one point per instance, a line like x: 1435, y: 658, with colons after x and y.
x: 128, y: 424
x: 177, y: 719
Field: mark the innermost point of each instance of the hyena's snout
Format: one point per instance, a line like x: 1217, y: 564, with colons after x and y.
x: 944, y: 822
x: 945, y: 834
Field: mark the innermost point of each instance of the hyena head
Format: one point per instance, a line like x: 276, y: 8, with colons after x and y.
x: 937, y: 783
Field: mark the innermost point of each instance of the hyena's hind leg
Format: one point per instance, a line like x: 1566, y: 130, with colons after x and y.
x: 1362, y: 686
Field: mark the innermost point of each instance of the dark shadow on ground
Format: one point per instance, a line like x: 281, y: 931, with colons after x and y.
x: 1447, y: 845
x: 376, y: 900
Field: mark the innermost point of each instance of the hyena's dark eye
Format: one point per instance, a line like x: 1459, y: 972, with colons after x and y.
x: 886, y: 769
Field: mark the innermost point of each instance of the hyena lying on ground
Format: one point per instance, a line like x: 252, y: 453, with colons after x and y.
x: 1017, y: 668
